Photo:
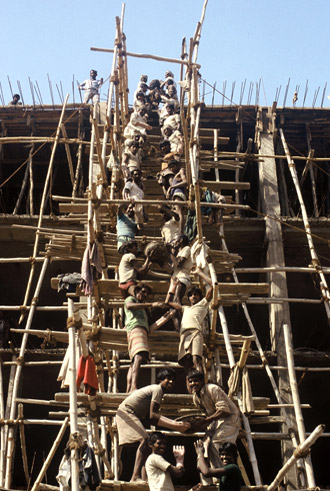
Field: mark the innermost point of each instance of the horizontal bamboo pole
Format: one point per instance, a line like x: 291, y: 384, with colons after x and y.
x: 287, y: 269
x: 147, y: 56
x: 5, y: 140
x: 155, y: 201
x: 40, y: 308
x: 5, y: 260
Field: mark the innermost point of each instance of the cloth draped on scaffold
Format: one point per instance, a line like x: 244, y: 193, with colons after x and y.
x: 91, y: 268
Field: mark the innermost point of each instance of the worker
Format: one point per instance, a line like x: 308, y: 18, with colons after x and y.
x: 140, y: 404
x: 222, y: 415
x: 131, y: 158
x: 91, y: 87
x: 137, y: 327
x: 16, y: 101
x: 134, y: 190
x: 190, y: 354
x: 129, y: 270
x: 137, y: 124
x: 126, y: 225
x: 159, y: 470
x: 177, y: 188
x: 229, y: 474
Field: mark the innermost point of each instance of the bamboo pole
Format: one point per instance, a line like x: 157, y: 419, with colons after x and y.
x: 23, y: 444
x: 300, y: 451
x: 315, y: 260
x: 296, y: 401
x: 11, y: 443
x: 50, y: 456
x: 147, y: 56
x: 231, y: 359
x: 31, y: 178
x: 2, y: 431
x: 153, y: 202
x: 21, y: 194
x: 309, y: 166
x: 68, y: 153
x: 42, y: 205
x: 74, y: 430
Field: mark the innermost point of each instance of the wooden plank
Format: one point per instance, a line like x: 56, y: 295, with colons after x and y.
x: 217, y: 186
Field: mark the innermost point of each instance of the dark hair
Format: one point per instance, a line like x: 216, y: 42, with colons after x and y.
x: 166, y: 373
x: 173, y: 161
x: 183, y: 240
x: 127, y: 246
x: 195, y: 375
x: 16, y: 95
x: 141, y: 94
x: 142, y: 286
x: 154, y: 436
x: 229, y: 448
x: 195, y: 291
x: 164, y: 143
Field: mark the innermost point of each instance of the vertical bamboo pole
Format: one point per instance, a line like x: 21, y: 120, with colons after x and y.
x: 7, y: 415
x: 246, y: 424
x: 23, y: 444
x: 110, y: 97
x: 43, y: 204
x: 2, y: 429
x: 21, y: 193
x: 311, y: 170
x: 296, y: 402
x: 315, y: 259
x: 125, y: 111
x: 73, y: 412
x: 51, y: 454
x: 77, y: 173
x: 215, y: 152
x: 20, y: 360
x: 68, y: 153
x: 31, y: 179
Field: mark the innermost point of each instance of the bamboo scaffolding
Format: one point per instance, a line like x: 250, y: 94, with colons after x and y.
x: 2, y: 431
x: 23, y: 443
x: 296, y: 402
x: 300, y: 451
x: 50, y: 456
x: 68, y: 153
x: 31, y: 178
x: 21, y: 194
x: 252, y: 455
x: 315, y: 260
x: 155, y: 202
x: 147, y: 56
x: 11, y: 443
x: 74, y: 430
x: 42, y: 205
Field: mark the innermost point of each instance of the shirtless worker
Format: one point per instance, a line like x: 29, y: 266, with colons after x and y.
x: 140, y: 404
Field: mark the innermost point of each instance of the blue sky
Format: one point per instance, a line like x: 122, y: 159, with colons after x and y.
x: 257, y: 40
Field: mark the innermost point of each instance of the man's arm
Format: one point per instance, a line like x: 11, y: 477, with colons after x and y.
x: 178, y: 469
x: 202, y: 465
x: 160, y: 420
x: 146, y: 305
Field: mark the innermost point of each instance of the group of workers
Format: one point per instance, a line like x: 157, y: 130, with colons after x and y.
x: 222, y: 421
